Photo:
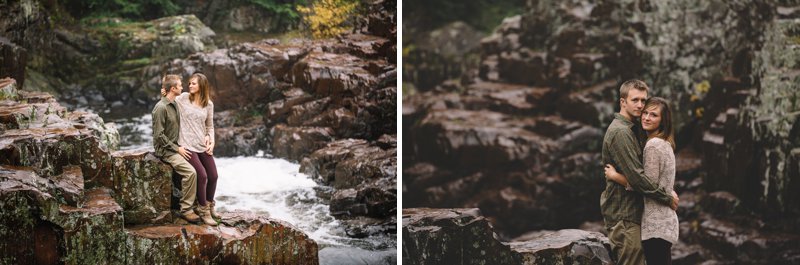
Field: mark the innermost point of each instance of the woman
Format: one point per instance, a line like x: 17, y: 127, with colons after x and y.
x: 197, y: 136
x: 659, y: 222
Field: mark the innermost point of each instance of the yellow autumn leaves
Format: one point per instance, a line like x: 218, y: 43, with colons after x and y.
x: 328, y: 18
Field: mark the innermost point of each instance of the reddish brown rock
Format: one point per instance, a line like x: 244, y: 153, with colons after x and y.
x: 244, y: 239
x: 364, y: 174
x: 294, y: 143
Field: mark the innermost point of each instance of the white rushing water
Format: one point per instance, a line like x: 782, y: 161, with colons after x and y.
x: 274, y: 187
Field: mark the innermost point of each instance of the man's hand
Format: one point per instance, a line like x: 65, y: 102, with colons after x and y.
x: 185, y: 154
x: 675, y: 200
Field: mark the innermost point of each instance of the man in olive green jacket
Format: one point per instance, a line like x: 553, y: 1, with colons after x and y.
x: 166, y: 127
x: 622, y: 209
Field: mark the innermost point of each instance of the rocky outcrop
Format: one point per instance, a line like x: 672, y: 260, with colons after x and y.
x: 110, y: 62
x: 244, y: 16
x: 364, y: 175
x: 244, y: 239
x: 67, y: 197
x: 463, y: 236
x: 463, y: 149
x: 442, y: 54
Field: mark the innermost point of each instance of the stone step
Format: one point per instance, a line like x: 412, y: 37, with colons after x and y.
x: 242, y: 238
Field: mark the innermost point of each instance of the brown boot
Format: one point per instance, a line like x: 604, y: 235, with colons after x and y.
x: 189, y: 215
x: 205, y: 215
x: 211, y: 206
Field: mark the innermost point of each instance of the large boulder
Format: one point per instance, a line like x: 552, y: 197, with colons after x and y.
x: 463, y: 236
x: 140, y: 182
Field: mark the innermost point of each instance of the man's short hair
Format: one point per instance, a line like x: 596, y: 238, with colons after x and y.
x: 170, y: 81
x: 632, y: 84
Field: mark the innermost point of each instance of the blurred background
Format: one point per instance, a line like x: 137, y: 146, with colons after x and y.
x: 505, y: 105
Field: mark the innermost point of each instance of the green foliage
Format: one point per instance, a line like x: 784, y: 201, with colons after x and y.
x: 146, y: 9
x: 284, y: 11
x: 480, y: 14
x: 329, y: 18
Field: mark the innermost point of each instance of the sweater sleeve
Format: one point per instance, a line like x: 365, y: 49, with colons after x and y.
x: 627, y: 157
x: 210, y: 121
x: 652, y: 163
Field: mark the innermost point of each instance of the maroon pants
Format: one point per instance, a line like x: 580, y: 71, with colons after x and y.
x: 206, y: 176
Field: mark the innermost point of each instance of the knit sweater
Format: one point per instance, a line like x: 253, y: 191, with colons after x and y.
x: 658, y: 220
x: 196, y: 123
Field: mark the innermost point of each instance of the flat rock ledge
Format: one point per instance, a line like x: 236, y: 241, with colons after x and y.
x: 463, y: 236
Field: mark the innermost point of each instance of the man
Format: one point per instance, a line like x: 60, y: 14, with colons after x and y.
x: 166, y: 127
x: 622, y: 209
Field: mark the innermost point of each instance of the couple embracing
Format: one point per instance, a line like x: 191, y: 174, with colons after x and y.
x: 639, y: 202
x: 183, y: 136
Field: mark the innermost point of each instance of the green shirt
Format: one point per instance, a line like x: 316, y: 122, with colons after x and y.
x: 166, y: 127
x: 622, y: 150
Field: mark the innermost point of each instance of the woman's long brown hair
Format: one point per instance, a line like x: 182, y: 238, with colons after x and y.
x: 203, y: 89
x: 665, y: 130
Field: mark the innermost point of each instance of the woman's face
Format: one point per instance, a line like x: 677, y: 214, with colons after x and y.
x: 651, y: 118
x: 193, y: 87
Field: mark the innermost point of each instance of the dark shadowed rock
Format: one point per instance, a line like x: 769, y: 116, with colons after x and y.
x: 463, y: 236
x: 14, y: 60
x: 451, y: 236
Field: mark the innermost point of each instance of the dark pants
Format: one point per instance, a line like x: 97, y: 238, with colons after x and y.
x: 657, y: 251
x: 206, y: 176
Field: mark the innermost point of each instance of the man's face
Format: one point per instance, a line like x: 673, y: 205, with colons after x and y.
x: 177, y: 89
x: 634, y: 103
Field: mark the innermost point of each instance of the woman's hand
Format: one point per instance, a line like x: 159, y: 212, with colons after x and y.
x: 613, y: 175
x: 610, y: 171
x: 209, y: 146
x: 163, y: 92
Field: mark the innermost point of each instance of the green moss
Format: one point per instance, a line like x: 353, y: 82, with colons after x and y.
x: 136, y: 63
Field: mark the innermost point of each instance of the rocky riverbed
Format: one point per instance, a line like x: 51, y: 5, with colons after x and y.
x: 327, y: 106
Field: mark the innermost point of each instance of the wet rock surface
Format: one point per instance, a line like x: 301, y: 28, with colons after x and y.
x: 66, y: 196
x: 244, y: 239
x: 363, y: 174
x: 520, y: 132
x: 463, y: 236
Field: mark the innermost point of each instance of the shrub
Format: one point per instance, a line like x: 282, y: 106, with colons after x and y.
x: 328, y: 18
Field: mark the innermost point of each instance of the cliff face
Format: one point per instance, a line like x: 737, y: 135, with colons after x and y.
x: 67, y: 197
x: 518, y: 136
